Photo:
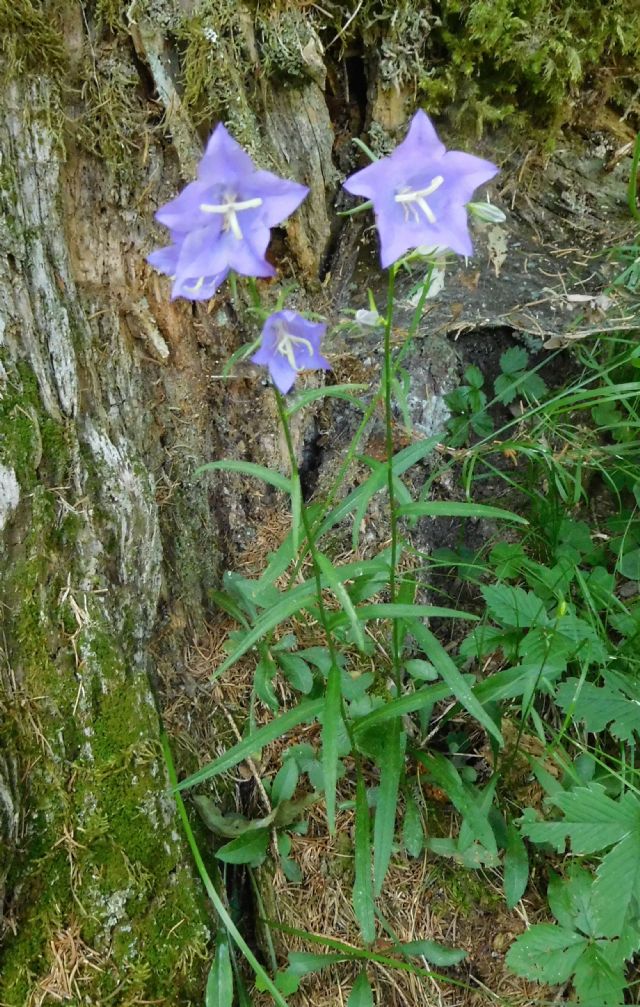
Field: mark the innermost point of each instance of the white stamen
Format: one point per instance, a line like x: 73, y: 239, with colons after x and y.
x: 285, y: 344
x: 230, y: 211
x: 408, y: 197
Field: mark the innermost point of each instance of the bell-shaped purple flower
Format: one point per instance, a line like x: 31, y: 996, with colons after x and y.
x: 290, y: 344
x: 419, y: 193
x: 222, y: 220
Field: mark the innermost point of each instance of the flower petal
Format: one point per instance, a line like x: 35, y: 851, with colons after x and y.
x: 280, y: 196
x: 222, y: 156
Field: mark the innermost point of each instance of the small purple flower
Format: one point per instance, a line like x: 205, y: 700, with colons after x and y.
x: 419, y: 193
x: 290, y: 343
x: 222, y: 220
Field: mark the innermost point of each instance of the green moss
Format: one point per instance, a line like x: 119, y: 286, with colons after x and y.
x: 31, y: 37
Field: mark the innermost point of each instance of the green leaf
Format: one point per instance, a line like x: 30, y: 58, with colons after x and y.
x: 361, y: 993
x: 248, y: 469
x: 219, y: 991
x: 342, y: 595
x: 454, y: 679
x: 249, y: 848
x: 446, y: 776
x: 436, y: 954
x: 310, y: 395
x: 513, y: 360
x: 450, y: 508
x: 303, y: 963
x: 363, y: 905
x: 593, y: 821
x: 596, y: 981
x: 391, y: 769
x: 387, y: 610
x: 516, y: 867
x: 297, y: 672
x: 331, y: 724
x: 629, y: 565
x: 307, y: 710
x: 403, y: 461
x: 547, y: 953
x: 412, y: 827
x: 401, y: 706
x: 285, y: 782
x: 600, y: 707
x: 512, y: 606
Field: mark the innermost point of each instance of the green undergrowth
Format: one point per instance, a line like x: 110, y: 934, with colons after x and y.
x: 521, y: 689
x: 99, y: 858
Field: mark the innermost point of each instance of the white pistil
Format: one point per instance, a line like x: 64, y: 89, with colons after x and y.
x: 196, y: 286
x: 285, y: 344
x: 408, y: 197
x: 230, y: 211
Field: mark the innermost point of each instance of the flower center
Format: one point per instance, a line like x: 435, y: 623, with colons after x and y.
x: 285, y: 342
x: 413, y: 200
x: 230, y: 210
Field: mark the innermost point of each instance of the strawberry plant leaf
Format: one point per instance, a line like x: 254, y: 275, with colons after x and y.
x: 547, y: 953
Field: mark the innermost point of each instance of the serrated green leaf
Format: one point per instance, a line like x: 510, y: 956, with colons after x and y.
x: 546, y: 953
x: 600, y: 707
x: 617, y: 884
x: 219, y: 991
x: 516, y: 867
x: 248, y: 469
x: 361, y: 993
x: 514, y: 359
x: 512, y: 606
x: 593, y: 820
x: 385, y: 819
x: 363, y: 905
x: 596, y: 981
x: 249, y: 848
x: 451, y: 508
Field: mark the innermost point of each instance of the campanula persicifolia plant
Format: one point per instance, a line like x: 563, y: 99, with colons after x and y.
x: 220, y: 225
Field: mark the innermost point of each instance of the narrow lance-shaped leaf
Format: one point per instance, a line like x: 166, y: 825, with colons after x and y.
x: 385, y: 820
x: 361, y: 993
x: 219, y: 991
x: 362, y: 887
x: 331, y: 720
x: 342, y: 595
x: 248, y: 469
x: 454, y: 679
x: 307, y: 710
x: 450, y: 508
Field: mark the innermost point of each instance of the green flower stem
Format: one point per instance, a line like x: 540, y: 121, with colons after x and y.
x: 632, y: 192
x: 388, y: 421
x: 357, y: 437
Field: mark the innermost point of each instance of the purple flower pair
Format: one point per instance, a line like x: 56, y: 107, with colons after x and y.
x: 222, y: 222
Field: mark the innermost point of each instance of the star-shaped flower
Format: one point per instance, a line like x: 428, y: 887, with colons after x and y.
x: 290, y: 344
x: 222, y: 220
x: 419, y: 193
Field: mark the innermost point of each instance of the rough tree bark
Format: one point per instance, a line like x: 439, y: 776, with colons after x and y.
x: 108, y: 402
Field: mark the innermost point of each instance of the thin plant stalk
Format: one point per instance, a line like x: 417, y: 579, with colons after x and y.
x: 388, y: 422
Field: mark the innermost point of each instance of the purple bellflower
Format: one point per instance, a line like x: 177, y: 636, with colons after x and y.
x: 419, y: 193
x: 222, y: 221
x: 290, y: 344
